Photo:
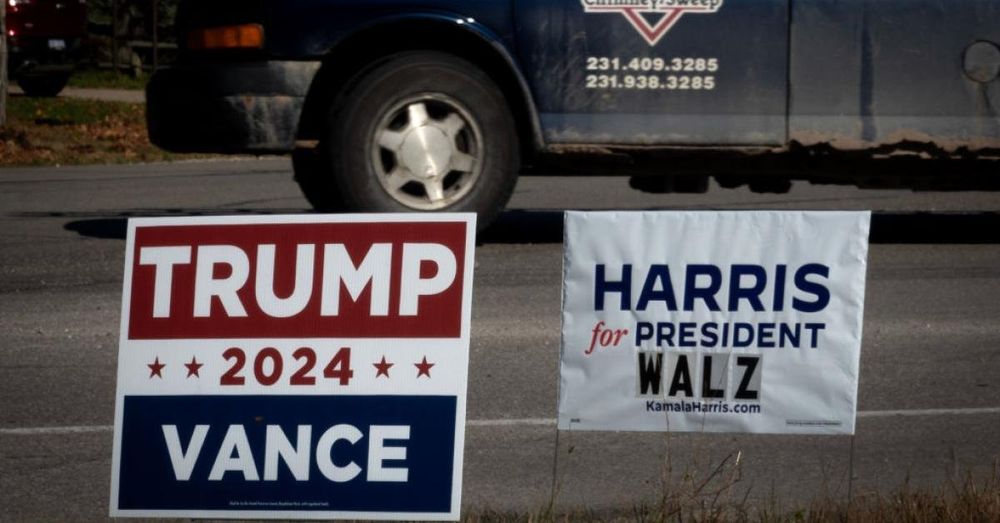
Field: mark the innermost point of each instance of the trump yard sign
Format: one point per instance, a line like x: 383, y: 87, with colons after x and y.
x: 293, y: 367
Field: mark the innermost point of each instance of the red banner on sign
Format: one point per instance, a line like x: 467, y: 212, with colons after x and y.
x: 310, y: 280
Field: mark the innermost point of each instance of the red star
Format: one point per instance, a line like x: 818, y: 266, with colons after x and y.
x: 424, y: 368
x: 155, y: 368
x: 193, y: 368
x: 383, y: 368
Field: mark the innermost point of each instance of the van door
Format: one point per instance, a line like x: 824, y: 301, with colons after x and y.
x: 657, y: 72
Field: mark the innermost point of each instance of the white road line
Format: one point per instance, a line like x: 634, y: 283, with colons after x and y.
x: 42, y: 431
x: 537, y: 422
x: 927, y: 412
x: 518, y: 422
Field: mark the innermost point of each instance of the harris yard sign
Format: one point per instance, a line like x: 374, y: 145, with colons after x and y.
x: 712, y: 321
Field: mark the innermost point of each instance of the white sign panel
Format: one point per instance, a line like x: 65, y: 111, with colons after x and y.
x: 294, y: 367
x: 712, y: 321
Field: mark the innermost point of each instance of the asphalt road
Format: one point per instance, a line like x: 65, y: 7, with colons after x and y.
x: 930, y: 376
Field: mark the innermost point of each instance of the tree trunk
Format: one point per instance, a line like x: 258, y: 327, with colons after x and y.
x: 3, y: 64
x: 156, y: 34
x: 114, y: 35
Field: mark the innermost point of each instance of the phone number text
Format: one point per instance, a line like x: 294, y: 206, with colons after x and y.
x: 651, y: 81
x: 653, y: 64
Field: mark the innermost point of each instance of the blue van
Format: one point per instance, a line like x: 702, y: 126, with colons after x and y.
x: 431, y: 105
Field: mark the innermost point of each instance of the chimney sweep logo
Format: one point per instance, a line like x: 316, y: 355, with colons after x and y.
x: 638, y: 13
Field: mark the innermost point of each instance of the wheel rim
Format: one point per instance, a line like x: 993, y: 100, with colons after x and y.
x: 427, y: 151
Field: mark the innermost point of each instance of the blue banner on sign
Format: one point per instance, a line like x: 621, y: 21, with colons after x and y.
x: 267, y: 453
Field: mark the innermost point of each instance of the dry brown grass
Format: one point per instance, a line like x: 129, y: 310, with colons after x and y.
x: 711, y: 498
x: 966, y: 501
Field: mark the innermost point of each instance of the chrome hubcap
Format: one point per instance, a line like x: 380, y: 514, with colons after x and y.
x: 426, y: 151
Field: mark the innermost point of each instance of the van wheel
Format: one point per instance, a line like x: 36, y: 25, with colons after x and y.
x: 422, y: 131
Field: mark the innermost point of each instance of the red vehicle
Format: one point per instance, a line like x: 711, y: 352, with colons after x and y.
x: 44, y: 39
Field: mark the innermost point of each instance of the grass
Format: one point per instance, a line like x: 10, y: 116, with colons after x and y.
x: 65, y: 131
x: 95, y: 79
x: 713, y: 495
x: 966, y: 501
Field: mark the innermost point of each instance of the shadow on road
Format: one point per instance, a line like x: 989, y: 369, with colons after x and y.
x: 109, y: 226
x: 520, y: 226
x: 104, y: 228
